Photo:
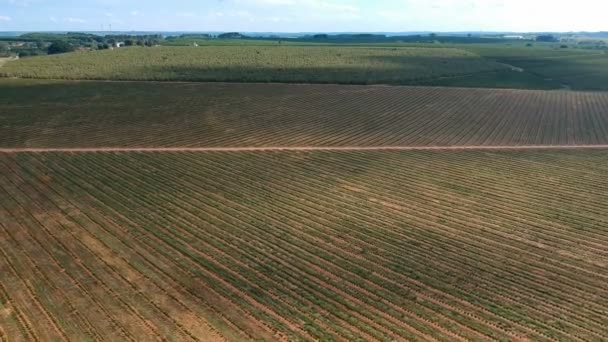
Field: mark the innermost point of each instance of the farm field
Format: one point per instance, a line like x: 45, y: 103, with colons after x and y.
x: 393, y: 245
x: 578, y: 72
x: 63, y: 114
x: 3, y: 60
x: 310, y: 64
x: 542, y: 66
x: 574, y: 69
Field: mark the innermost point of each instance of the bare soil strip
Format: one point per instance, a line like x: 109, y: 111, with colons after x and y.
x: 300, y: 148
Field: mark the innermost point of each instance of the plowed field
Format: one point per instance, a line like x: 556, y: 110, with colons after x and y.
x: 323, y: 245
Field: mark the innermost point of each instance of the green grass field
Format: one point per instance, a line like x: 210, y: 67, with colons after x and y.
x: 572, y: 68
x: 541, y: 66
x: 236, y: 42
x: 111, y: 114
x: 314, y: 64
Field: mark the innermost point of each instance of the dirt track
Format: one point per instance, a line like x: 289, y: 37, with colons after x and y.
x: 299, y: 148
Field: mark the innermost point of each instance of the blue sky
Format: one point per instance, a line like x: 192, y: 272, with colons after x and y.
x: 305, y: 15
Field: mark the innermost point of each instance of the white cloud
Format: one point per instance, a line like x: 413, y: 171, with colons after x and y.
x: 489, y: 15
x: 313, y: 15
x: 234, y: 14
x: 275, y: 2
x: 75, y: 20
x: 279, y: 19
x: 331, y: 6
x: 305, y: 14
x: 242, y: 14
x: 318, y: 5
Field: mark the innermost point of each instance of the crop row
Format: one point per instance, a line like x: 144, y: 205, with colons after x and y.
x: 305, y: 246
x: 212, y: 115
x: 99, y: 292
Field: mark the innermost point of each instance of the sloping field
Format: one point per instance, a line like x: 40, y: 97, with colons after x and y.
x: 308, y: 64
x: 392, y: 245
x: 104, y: 114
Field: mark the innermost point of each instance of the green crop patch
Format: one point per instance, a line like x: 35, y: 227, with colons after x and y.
x: 295, y: 64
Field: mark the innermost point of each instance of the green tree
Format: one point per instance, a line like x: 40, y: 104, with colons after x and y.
x: 40, y: 45
x: 4, y: 48
x: 546, y: 38
x: 60, y: 47
x: 231, y: 35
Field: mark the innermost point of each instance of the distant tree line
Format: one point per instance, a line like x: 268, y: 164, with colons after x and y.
x: 34, y: 44
x: 381, y: 38
x: 232, y: 35
x: 547, y: 38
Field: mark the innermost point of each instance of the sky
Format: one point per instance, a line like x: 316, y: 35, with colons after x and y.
x: 304, y: 15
